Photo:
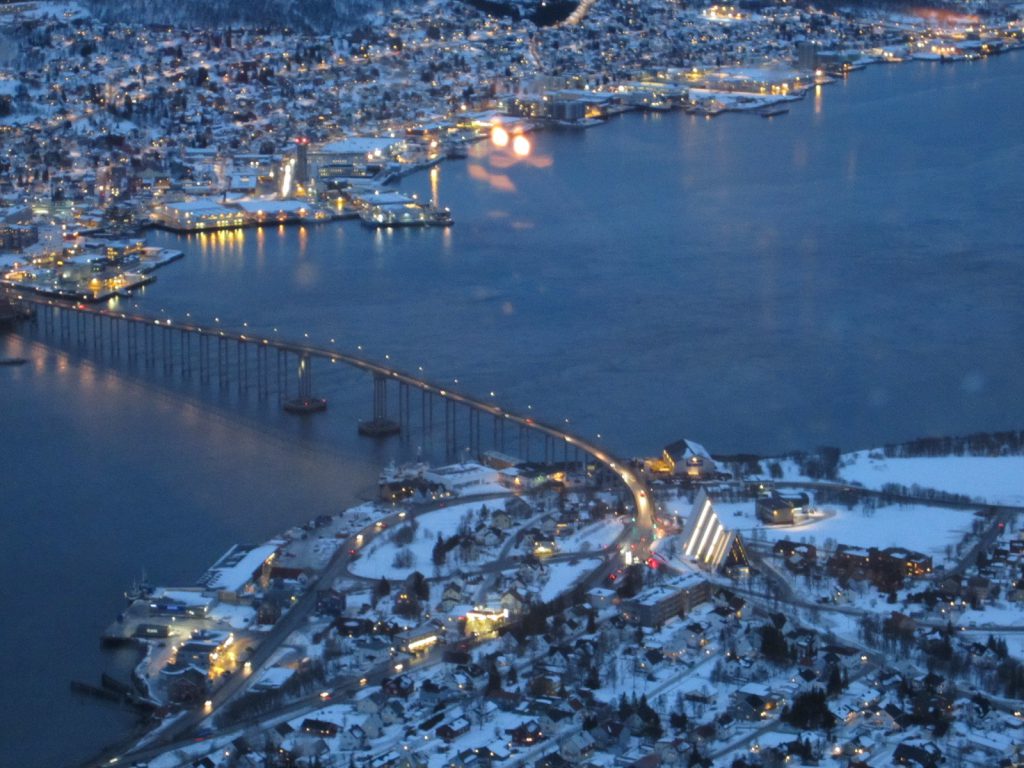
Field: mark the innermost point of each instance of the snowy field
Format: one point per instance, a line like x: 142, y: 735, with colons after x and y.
x: 919, y: 527
x: 377, y: 558
x: 561, y: 576
x: 593, y: 537
x: 996, y: 479
x: 998, y: 615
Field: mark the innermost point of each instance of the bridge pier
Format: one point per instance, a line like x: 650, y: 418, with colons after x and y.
x: 185, y: 348
x: 305, y: 402
x: 262, y: 385
x: 242, y: 361
x: 167, y: 350
x: 380, y: 425
x: 55, y: 319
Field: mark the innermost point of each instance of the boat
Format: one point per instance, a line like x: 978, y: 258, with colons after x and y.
x: 139, y: 589
x: 13, y: 361
x: 457, y: 150
x: 410, y: 214
x: 772, y: 112
x: 303, y: 405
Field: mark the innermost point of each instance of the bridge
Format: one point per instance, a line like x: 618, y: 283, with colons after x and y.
x: 252, y: 361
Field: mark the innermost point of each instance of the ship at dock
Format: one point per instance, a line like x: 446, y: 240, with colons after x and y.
x: 394, y: 209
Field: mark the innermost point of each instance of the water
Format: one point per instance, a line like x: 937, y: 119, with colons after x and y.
x: 846, y: 274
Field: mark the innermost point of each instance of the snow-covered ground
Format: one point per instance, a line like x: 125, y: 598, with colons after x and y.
x: 561, y: 576
x: 237, y: 616
x: 378, y: 557
x: 593, y: 537
x: 995, y: 615
x: 916, y: 526
x: 996, y: 479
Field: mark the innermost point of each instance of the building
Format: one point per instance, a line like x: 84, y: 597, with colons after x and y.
x: 301, y: 160
x: 239, y: 573
x: 417, y: 640
x: 772, y: 508
x: 706, y: 540
x: 198, y: 215
x: 15, y: 237
x: 678, y: 596
x: 689, y: 459
x: 913, y: 564
x: 806, y: 55
x: 853, y: 562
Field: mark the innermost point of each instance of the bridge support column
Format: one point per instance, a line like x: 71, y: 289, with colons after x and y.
x: 282, y: 376
x: 262, y: 385
x: 448, y: 428
x: 167, y: 350
x: 380, y: 425
x: 242, y: 361
x: 223, y: 363
x: 185, y: 348
x: 305, y: 402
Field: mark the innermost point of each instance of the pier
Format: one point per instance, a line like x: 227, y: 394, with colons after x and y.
x: 403, y: 405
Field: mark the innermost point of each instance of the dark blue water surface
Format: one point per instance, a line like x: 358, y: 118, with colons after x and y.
x: 847, y: 274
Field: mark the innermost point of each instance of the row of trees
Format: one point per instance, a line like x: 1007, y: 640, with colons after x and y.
x: 979, y: 444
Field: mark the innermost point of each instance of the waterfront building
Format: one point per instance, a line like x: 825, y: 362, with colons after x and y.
x: 807, y: 55
x: 197, y: 215
x: 240, y: 572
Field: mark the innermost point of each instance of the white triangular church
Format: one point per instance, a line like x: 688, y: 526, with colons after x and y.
x: 706, y: 541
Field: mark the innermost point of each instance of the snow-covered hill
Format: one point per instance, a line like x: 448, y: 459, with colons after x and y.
x: 308, y: 15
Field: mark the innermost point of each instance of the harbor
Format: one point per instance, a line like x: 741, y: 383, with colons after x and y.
x: 87, y: 270
x: 493, y: 304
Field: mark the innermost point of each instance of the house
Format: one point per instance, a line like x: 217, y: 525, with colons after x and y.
x: 754, y: 702
x: 370, y: 704
x: 451, y: 731
x: 433, y: 694
x: 401, y: 686
x: 799, y: 557
x: 320, y: 728
x: 373, y: 726
x: 352, y: 738
x: 418, y: 639
x: 518, y: 508
x: 397, y: 759
x: 772, y: 508
x: 513, y: 602
x: 477, y: 757
x: 577, y: 747
x: 525, y: 733
x: 852, y: 562
x: 611, y: 736
x: 392, y: 712
x: 904, y: 561
x: 330, y: 602
x: 688, y: 459
x: 501, y: 519
x: 918, y: 753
